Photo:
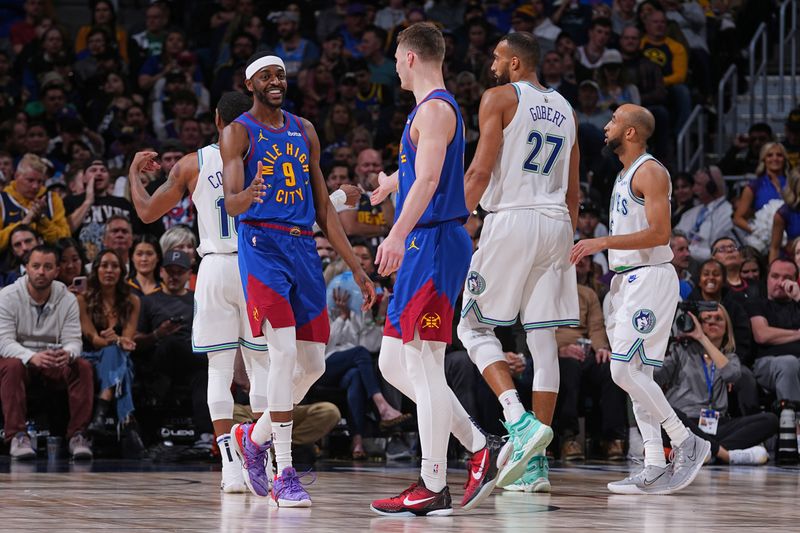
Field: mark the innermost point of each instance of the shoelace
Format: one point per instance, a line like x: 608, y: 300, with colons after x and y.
x: 259, y: 458
x: 293, y: 483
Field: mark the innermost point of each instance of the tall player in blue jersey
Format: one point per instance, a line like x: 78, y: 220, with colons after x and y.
x: 273, y: 183
x: 430, y: 250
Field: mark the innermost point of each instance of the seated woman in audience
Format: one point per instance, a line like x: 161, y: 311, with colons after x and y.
x: 762, y: 192
x: 348, y: 362
x: 753, y: 271
x: 145, y: 263
x: 787, y: 218
x: 682, y: 195
x: 109, y: 315
x: 696, y: 375
x: 72, y: 264
x: 711, y: 286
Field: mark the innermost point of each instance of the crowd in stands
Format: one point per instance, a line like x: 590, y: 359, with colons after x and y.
x: 99, y: 303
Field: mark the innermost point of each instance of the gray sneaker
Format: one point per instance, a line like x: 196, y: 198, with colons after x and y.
x: 687, y: 460
x: 79, y: 448
x: 649, y: 480
x: 21, y: 447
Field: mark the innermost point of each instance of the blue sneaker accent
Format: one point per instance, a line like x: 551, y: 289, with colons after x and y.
x: 528, y: 437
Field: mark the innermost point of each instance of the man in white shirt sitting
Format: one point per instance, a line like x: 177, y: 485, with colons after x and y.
x: 712, y: 218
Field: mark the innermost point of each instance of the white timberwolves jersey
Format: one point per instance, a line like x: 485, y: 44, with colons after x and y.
x: 627, y: 216
x: 533, y: 168
x: 217, y: 229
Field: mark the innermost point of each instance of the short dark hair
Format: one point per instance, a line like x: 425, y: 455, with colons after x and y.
x: 525, y: 46
x: 243, y: 34
x: 118, y: 216
x: 65, y: 243
x: 232, y: 104
x: 23, y: 227
x: 424, y: 39
x: 184, y: 95
x: 362, y: 242
x: 379, y: 32
x: 762, y: 127
x: 719, y: 240
x: 600, y: 21
x: 783, y: 260
x: 45, y: 249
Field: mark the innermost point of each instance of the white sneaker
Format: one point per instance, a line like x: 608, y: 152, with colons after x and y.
x: 755, y: 455
x: 232, y: 478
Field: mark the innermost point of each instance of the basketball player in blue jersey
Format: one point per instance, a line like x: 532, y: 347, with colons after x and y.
x: 220, y: 324
x: 430, y: 250
x: 644, y: 295
x: 273, y: 183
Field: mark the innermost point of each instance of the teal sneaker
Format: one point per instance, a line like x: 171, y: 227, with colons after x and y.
x: 528, y: 437
x: 536, y: 477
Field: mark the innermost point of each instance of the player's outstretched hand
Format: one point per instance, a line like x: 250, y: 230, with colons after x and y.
x: 367, y: 289
x: 386, y: 186
x: 390, y: 255
x: 586, y: 247
x: 145, y: 162
x: 257, y: 189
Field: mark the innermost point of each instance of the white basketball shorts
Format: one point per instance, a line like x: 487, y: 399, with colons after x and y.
x: 522, y: 268
x: 641, y: 313
x: 220, y: 319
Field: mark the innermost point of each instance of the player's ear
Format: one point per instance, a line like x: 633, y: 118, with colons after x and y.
x: 249, y: 85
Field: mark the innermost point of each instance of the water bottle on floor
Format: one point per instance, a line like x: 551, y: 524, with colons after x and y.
x: 787, y: 436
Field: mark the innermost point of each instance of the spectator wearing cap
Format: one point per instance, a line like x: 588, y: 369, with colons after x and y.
x: 297, y: 53
x: 742, y: 156
x: 90, y: 210
x: 593, y: 54
x: 355, y: 21
x: 164, y: 339
x: 712, y: 218
x: 791, y: 134
x: 615, y: 89
x: 26, y: 201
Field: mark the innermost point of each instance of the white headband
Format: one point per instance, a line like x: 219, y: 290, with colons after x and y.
x: 261, y: 62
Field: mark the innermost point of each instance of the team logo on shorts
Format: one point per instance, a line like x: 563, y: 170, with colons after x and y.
x: 644, y: 320
x: 255, y: 314
x: 431, y: 320
x: 475, y: 283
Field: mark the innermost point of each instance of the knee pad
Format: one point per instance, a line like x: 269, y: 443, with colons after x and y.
x: 311, y: 359
x: 390, y: 361
x: 220, y: 377
x: 480, y: 342
x: 544, y: 351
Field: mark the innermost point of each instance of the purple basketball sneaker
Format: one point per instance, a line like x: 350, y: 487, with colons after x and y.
x: 253, y: 459
x: 287, y: 491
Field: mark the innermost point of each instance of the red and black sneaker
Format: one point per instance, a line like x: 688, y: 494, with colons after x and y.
x: 416, y: 500
x: 482, y: 471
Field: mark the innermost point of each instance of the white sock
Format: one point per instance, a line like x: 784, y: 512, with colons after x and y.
x: 262, y: 431
x: 434, y: 474
x: 651, y: 436
x: 677, y: 432
x: 512, y: 406
x: 282, y: 444
x: 226, y: 454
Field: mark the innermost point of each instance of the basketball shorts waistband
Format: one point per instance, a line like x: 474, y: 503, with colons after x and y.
x: 294, y: 231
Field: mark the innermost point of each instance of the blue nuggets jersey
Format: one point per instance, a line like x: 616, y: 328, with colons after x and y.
x: 448, y: 201
x: 285, y: 156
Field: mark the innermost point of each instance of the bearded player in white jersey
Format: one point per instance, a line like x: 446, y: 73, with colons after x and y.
x: 220, y: 325
x: 644, y: 296
x: 525, y: 174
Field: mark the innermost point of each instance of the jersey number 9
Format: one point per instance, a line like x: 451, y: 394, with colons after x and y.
x: 288, y: 171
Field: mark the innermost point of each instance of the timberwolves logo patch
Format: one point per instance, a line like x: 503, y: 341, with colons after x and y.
x: 644, y: 320
x: 475, y: 283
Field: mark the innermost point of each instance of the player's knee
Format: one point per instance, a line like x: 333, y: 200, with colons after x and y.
x: 621, y: 373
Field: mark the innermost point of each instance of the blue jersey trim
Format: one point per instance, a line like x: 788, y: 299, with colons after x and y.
x: 252, y: 346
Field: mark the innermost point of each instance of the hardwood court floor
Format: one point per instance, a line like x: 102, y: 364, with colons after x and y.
x: 80, y: 498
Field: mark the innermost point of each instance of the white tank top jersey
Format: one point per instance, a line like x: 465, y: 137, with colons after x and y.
x: 217, y: 229
x: 533, y: 168
x: 627, y: 216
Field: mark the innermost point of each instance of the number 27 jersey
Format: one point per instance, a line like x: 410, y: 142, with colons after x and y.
x: 217, y: 229
x: 532, y: 170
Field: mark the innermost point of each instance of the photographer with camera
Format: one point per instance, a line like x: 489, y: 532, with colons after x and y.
x: 700, y: 367
x: 164, y: 342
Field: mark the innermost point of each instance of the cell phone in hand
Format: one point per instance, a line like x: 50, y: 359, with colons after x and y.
x: 177, y: 319
x: 79, y: 284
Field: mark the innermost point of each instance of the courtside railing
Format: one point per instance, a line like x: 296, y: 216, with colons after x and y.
x: 787, y: 37
x: 758, y: 71
x: 691, y: 142
x: 727, y: 122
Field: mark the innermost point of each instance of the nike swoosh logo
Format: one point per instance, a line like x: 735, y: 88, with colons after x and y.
x: 649, y: 482
x: 477, y: 475
x: 409, y: 502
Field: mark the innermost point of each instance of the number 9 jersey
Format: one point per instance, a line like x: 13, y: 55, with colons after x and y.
x: 533, y: 168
